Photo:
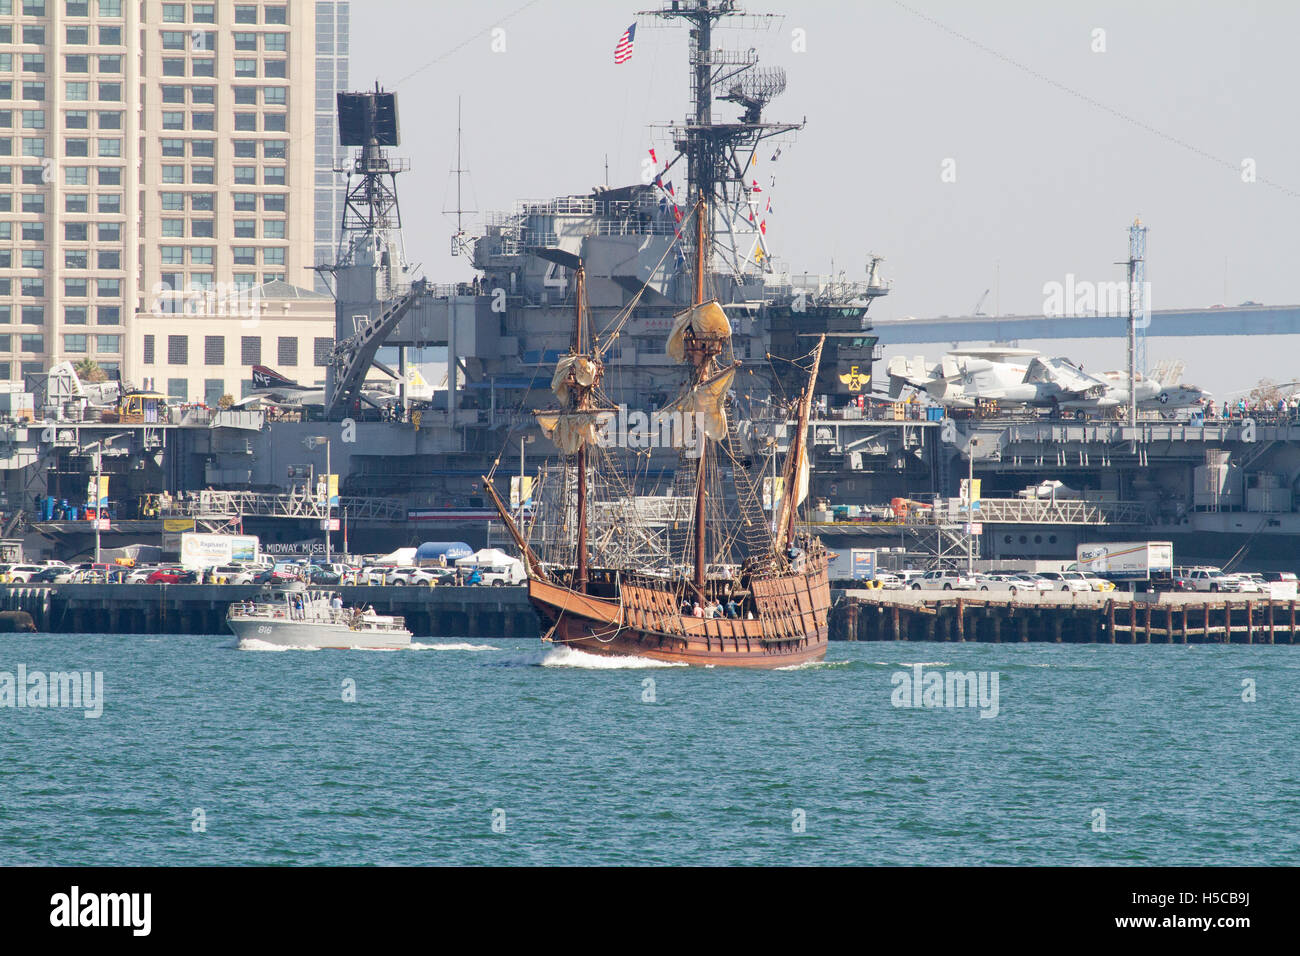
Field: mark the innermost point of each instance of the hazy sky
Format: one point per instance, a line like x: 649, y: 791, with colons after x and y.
x: 1047, y: 182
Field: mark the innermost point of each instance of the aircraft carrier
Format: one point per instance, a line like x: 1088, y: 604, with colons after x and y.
x: 1219, y: 490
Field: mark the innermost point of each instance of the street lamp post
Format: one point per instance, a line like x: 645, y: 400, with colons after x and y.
x: 970, y: 506
x: 312, y: 442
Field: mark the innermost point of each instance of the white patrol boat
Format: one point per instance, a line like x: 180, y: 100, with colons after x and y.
x: 293, y: 615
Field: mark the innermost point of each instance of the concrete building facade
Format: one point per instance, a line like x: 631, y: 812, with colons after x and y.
x: 150, y: 151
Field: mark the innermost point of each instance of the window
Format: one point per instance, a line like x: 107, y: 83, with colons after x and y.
x: 206, y: 95
x: 76, y: 175
x: 174, y: 40
x: 34, y: 90
x: 178, y: 390
x: 76, y: 202
x: 275, y: 149
x: 110, y: 8
x: 173, y: 12
x: 245, y: 255
x: 201, y: 255
x: 171, y: 93
x: 110, y: 92
x: 321, y: 350
x: 112, y: 147
x: 275, y: 123
x: 76, y: 146
x: 276, y: 69
x: 274, y: 203
x: 246, y: 41
x: 274, y: 95
x: 172, y: 255
x: 110, y: 36
x: 74, y: 315
x: 204, y: 13
x: 34, y: 35
x: 203, y: 121
x: 108, y: 344
x: 204, y: 68
x: 250, y: 350
x: 245, y: 13
x: 77, y: 36
x: 203, y: 175
x: 76, y: 119
x: 173, y: 174
x: 109, y: 259
x: 287, y: 350
x: 32, y: 342
x: 75, y: 288
x: 75, y: 231
x: 33, y: 232
x: 108, y: 315
x: 109, y: 202
x: 245, y: 175
x: 32, y: 288
x: 273, y: 257
x: 203, y: 148
x: 273, y: 229
x: 148, y: 355
x: 75, y: 344
x: 213, y: 389
x: 33, y: 315
x: 271, y: 176
x: 33, y: 202
x: 110, y: 64
x: 245, y: 68
x: 110, y: 232
x: 277, y: 15
x: 174, y: 67
x: 245, y: 149
x: 202, y: 229
x: 76, y: 259
x: 245, y: 202
x: 214, y: 350
x: 172, y: 200
x: 108, y: 288
x: 78, y: 8
x: 173, y: 147
x: 246, y: 122
x: 245, y: 228
x: 246, y: 96
x: 173, y: 120
x: 203, y: 202
x: 178, y: 350
x: 35, y: 63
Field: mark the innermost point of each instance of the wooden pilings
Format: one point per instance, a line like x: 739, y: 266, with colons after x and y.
x: 948, y: 618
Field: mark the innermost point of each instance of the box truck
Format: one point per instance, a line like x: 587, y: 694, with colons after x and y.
x: 1128, y: 560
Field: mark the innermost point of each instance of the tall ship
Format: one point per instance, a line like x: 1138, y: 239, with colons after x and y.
x: 724, y: 601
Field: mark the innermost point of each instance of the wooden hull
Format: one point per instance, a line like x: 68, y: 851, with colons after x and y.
x: 790, y: 627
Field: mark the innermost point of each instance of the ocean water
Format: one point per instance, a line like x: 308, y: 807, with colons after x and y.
x: 510, y: 752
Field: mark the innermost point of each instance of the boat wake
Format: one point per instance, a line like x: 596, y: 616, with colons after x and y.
x: 253, y: 644
x: 570, y: 657
x: 461, y: 646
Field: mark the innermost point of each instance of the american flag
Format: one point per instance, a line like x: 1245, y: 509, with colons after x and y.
x: 623, y: 50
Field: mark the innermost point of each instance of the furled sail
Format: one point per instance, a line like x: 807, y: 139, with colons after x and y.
x: 708, y: 400
x: 584, y: 372
x: 705, y: 321
x: 571, y: 430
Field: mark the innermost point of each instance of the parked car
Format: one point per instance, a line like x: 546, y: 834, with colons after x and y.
x: 1207, y: 579
x: 502, y: 575
x: 889, y: 582
x: 1251, y: 583
x: 172, y: 576
x: 236, y: 573
x: 944, y: 581
x: 22, y: 572
x: 1072, y: 581
x: 400, y: 577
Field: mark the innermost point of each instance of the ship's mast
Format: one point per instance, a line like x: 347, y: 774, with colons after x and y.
x: 579, y: 336
x: 798, y: 455
x: 698, y: 373
x: 719, y: 154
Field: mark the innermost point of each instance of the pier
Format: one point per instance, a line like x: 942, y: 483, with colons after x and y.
x: 1064, y: 618
x: 201, y: 608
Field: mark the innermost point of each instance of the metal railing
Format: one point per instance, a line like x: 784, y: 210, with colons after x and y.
x: 1036, y: 511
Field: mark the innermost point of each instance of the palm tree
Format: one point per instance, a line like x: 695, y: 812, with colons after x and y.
x: 89, y: 371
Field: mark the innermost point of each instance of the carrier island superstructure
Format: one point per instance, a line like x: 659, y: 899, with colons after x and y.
x: 416, y: 475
